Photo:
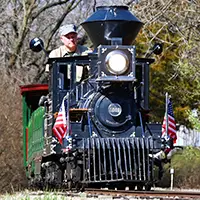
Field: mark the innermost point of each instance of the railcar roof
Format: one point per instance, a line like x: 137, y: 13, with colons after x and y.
x: 33, y: 87
x: 85, y: 58
x: 78, y: 59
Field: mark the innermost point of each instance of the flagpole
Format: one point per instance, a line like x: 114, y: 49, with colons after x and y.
x: 166, y: 112
x: 68, y: 123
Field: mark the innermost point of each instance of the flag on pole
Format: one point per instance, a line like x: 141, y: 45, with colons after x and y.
x: 169, y: 124
x: 60, y: 126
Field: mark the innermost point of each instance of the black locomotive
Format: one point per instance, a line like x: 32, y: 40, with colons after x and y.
x: 108, y: 142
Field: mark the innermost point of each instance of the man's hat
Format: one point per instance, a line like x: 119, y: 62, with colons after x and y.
x: 69, y: 28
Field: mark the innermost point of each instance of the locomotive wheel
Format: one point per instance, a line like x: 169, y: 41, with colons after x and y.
x: 30, y: 183
x: 73, y: 175
x: 147, y: 187
x: 140, y: 187
x: 69, y: 185
x: 121, y: 186
x: 112, y: 187
x: 132, y: 187
x: 79, y: 187
x: 53, y: 176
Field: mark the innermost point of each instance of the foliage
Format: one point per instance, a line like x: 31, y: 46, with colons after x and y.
x: 194, y: 120
x: 186, y: 165
x: 176, y: 70
x: 25, y: 19
x: 22, y: 20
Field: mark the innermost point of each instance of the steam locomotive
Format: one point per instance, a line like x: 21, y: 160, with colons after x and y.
x: 108, y: 141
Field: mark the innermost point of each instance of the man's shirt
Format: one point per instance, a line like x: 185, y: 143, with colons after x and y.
x: 62, y: 52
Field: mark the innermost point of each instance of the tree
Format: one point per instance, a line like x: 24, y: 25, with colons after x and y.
x: 175, y: 24
x: 20, y: 21
x: 23, y: 19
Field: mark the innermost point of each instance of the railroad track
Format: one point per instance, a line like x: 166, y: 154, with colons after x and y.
x: 126, y: 194
x: 105, y: 194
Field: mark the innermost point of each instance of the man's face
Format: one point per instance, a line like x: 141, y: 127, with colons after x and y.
x: 70, y: 41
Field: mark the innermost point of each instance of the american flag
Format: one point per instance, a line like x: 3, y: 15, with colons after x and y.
x: 60, y: 126
x: 171, y: 124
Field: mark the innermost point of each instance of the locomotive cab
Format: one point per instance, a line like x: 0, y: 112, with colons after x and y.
x: 66, y: 75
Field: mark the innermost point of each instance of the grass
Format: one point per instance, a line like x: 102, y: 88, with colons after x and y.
x: 29, y: 195
x: 43, y: 195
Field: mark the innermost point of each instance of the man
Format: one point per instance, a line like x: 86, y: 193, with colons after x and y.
x: 68, y: 36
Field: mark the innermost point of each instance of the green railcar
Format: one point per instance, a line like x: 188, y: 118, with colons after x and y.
x: 33, y: 124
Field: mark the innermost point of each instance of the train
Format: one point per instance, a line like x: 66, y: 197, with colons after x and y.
x: 108, y: 141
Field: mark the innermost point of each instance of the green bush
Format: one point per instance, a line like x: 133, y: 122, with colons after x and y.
x: 186, y: 165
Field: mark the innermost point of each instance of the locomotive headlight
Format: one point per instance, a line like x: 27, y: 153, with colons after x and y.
x: 117, y: 62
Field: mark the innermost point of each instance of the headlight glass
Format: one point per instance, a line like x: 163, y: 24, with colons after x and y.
x: 117, y: 62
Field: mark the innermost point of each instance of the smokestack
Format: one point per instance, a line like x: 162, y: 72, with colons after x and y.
x: 112, y: 22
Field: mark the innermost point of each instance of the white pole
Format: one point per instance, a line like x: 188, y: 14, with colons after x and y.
x: 172, y: 178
